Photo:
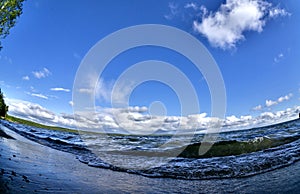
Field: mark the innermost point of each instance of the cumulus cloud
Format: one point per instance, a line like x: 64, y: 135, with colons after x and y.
x: 225, y: 27
x: 284, y: 115
x: 37, y: 113
x: 241, y: 122
x: 60, y: 89
x: 42, y: 73
x: 29, y: 110
x: 259, y: 107
x: 285, y: 98
x: 277, y: 12
x: 270, y: 103
x: 279, y: 100
x: 26, y: 78
x: 136, y: 120
x: 71, y: 103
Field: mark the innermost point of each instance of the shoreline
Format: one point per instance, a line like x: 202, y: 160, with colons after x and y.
x: 28, y: 167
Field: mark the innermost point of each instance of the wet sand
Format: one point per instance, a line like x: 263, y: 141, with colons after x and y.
x: 28, y: 167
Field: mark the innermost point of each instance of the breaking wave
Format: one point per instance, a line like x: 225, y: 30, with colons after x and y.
x: 235, y: 154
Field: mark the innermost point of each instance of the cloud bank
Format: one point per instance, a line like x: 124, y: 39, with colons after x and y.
x: 137, y: 120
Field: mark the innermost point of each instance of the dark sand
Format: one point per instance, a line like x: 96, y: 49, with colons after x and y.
x: 28, y: 167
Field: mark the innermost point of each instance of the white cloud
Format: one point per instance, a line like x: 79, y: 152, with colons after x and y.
x: 29, y: 110
x: 26, y: 78
x: 86, y: 90
x: 259, y: 107
x: 191, y: 5
x: 270, y: 103
x: 93, y: 86
x: 39, y: 95
x: 241, y: 122
x: 37, y: 113
x: 120, y: 92
x: 226, y: 27
x: 284, y: 98
x: 60, y: 89
x: 278, y: 58
x: 232, y: 119
x: 134, y: 119
x: 276, y: 12
x: 103, y: 90
x: 41, y: 74
x: 173, y: 11
x: 137, y: 109
x: 279, y: 100
x: 71, y: 103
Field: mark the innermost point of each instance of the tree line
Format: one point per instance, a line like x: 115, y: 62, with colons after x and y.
x: 3, y: 106
x: 10, y: 10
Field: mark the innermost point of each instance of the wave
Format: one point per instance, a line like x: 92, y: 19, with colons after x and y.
x: 234, y: 147
x: 49, y: 138
x: 236, y: 154
x: 229, y: 166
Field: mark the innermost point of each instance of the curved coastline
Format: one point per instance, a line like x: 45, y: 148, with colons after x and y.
x: 53, y: 171
x: 27, y: 166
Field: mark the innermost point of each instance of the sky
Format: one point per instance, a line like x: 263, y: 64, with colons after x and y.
x: 254, y: 43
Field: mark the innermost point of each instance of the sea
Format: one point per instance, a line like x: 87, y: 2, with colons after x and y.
x: 233, y: 154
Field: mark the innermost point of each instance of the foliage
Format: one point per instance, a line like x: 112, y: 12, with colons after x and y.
x: 10, y: 10
x: 3, y: 107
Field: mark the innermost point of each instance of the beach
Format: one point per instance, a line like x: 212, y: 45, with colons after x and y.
x: 29, y: 167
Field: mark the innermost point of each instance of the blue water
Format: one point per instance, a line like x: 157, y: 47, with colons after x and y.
x: 237, y: 153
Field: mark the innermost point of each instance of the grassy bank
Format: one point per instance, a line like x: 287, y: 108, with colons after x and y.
x: 33, y: 124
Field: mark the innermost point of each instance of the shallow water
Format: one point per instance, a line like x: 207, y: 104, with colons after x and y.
x: 239, y: 153
x: 52, y: 171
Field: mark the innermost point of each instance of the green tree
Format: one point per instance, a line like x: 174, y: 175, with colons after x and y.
x: 3, y: 107
x: 10, y: 10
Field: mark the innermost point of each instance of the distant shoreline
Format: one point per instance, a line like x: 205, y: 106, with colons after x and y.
x: 34, y: 124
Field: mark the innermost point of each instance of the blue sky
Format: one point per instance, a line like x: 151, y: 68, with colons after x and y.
x: 255, y: 44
